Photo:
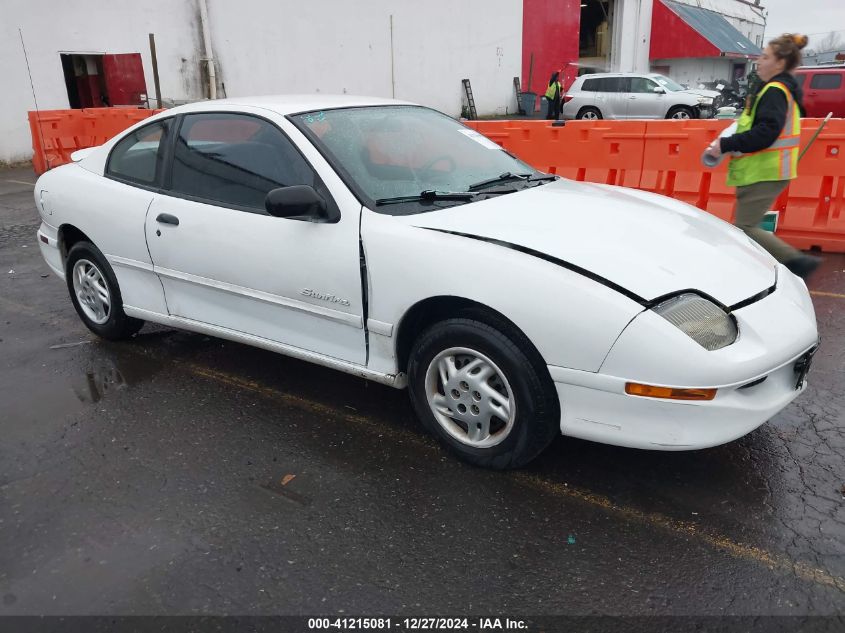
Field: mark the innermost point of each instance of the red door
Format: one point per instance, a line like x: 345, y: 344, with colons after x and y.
x: 124, y: 75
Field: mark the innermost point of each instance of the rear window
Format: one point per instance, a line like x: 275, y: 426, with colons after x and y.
x: 826, y: 82
x: 137, y: 158
x: 590, y: 85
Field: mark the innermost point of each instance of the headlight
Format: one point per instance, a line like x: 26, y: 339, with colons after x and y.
x: 705, y: 101
x: 702, y: 320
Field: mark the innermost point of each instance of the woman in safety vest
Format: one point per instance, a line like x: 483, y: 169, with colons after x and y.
x: 765, y: 147
x: 553, y: 97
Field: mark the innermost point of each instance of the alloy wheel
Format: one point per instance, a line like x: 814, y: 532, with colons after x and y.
x: 470, y: 397
x: 92, y: 291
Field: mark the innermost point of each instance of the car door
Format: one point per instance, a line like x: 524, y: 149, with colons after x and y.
x: 225, y: 262
x: 825, y: 92
x: 118, y: 209
x: 643, y: 102
x: 617, y: 96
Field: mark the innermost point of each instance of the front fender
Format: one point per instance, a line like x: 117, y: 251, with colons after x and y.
x: 573, y: 321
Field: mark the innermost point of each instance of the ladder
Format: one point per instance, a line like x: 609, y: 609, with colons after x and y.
x: 518, y: 89
x: 473, y: 113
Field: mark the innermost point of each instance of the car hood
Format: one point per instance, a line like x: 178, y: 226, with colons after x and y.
x: 700, y: 92
x: 648, y: 244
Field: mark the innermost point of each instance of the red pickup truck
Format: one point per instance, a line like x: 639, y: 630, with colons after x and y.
x: 824, y: 89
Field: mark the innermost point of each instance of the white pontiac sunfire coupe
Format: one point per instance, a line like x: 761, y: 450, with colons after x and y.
x: 389, y: 241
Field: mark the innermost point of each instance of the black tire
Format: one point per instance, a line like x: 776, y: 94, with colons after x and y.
x: 680, y: 109
x: 117, y: 326
x: 583, y: 112
x: 537, y: 417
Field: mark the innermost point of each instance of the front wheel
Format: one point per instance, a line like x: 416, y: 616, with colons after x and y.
x: 95, y: 294
x: 680, y: 113
x: 485, y: 399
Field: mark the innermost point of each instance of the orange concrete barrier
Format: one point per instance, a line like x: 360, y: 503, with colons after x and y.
x: 56, y: 134
x: 672, y: 165
x: 811, y: 212
x: 596, y: 151
x: 665, y: 157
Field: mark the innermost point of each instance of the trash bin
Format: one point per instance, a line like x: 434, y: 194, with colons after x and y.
x: 528, y: 102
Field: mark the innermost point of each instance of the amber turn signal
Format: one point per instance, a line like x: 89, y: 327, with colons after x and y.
x: 669, y: 393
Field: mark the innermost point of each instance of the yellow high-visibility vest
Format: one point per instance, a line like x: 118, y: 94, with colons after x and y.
x: 780, y: 160
x: 550, y: 91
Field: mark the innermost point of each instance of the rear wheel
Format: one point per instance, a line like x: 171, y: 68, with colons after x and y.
x: 680, y: 112
x: 589, y: 114
x: 95, y: 294
x: 481, y: 395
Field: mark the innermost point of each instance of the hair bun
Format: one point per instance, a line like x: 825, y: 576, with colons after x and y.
x: 800, y: 40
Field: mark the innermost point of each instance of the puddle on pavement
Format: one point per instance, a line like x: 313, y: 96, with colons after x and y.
x: 106, y: 376
x: 42, y: 392
x: 98, y: 383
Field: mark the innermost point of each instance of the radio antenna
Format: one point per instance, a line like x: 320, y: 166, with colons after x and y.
x: 37, y: 112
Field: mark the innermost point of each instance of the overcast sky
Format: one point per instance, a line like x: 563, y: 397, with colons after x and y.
x: 805, y: 16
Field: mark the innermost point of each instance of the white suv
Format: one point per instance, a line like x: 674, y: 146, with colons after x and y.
x: 633, y: 96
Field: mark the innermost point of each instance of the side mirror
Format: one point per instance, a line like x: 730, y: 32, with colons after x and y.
x: 299, y: 202
x: 659, y: 90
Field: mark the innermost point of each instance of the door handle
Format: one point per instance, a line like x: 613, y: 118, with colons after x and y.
x: 632, y: 97
x: 166, y: 218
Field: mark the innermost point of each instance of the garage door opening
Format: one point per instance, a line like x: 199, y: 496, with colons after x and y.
x: 100, y: 80
x: 595, y: 37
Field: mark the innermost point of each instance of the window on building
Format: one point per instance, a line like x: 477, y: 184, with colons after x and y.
x: 96, y: 81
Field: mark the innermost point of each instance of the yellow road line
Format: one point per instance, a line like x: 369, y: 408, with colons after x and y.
x: 819, y: 293
x: 802, y: 570
x: 309, y: 405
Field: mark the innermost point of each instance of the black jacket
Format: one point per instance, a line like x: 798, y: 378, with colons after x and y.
x: 768, y: 121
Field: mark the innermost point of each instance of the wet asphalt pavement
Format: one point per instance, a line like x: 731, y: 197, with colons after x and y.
x: 181, y: 474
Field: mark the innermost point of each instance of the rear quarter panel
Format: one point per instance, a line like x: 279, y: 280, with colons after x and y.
x: 112, y: 215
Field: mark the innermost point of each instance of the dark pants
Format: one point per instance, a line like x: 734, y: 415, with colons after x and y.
x: 553, y: 109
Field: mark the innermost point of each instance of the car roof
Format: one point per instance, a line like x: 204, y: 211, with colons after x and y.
x: 290, y: 104
x: 591, y: 75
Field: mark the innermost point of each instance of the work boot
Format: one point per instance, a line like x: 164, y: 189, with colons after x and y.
x: 803, y: 265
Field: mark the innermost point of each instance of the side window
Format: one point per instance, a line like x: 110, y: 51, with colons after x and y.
x: 617, y: 84
x: 138, y: 157
x: 603, y: 84
x: 590, y: 85
x: 235, y: 159
x: 642, y: 84
x: 800, y: 79
x: 826, y: 82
